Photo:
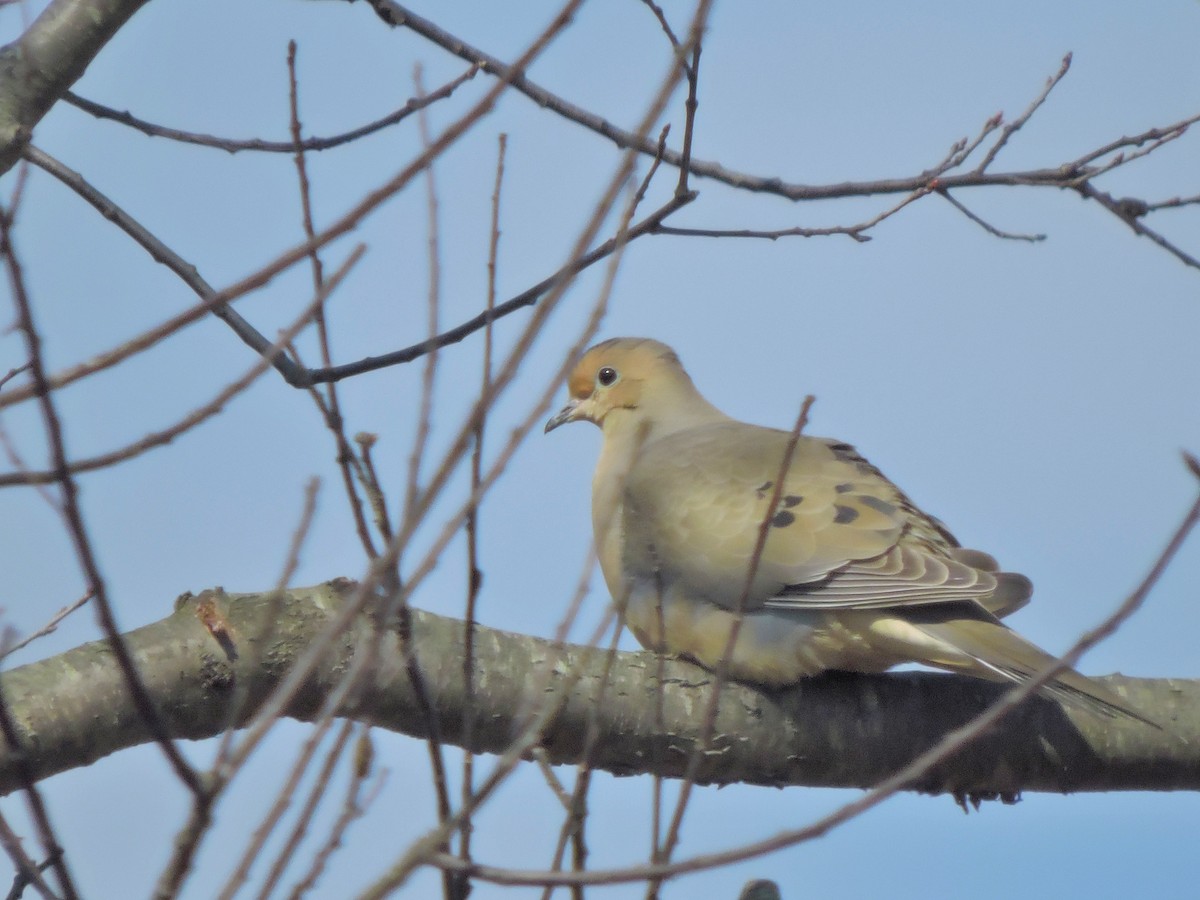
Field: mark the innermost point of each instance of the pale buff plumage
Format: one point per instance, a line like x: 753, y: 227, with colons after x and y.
x: 852, y: 576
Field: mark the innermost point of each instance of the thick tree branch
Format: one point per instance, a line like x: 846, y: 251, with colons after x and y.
x: 37, y: 69
x: 840, y: 731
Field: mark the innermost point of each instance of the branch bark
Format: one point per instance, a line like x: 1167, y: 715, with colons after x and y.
x: 52, y: 54
x: 834, y: 731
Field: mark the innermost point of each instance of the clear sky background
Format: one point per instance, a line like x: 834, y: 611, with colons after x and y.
x: 1034, y: 396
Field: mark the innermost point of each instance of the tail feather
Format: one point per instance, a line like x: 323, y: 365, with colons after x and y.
x: 997, y: 650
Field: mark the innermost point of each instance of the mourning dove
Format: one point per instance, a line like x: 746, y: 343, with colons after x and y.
x: 852, y: 575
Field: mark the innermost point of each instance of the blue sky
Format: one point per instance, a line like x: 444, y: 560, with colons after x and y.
x: 1033, y: 396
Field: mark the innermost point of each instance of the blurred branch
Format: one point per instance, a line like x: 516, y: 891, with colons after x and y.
x: 200, y: 414
x: 833, y: 731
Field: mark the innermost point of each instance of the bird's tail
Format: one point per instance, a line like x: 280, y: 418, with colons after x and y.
x: 999, y: 653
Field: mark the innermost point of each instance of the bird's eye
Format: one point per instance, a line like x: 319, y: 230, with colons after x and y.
x: 606, y: 376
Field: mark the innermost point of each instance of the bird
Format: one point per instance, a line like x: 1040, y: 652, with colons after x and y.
x: 852, y: 575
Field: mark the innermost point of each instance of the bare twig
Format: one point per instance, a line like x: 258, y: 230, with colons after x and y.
x: 988, y: 227
x: 13, y: 373
x: 194, y: 418
x: 662, y: 21
x: 161, y: 253
x: 1152, y: 135
x: 112, y: 357
x: 354, y: 806
x: 1128, y: 213
x: 55, y: 855
x: 231, y: 145
x: 49, y: 627
x: 283, y: 799
x: 73, y: 520
x: 433, y: 296
x: 474, y: 573
x: 316, y: 793
x: 1015, y: 125
x: 373, y: 487
x: 857, y: 232
x: 27, y: 871
x: 395, y: 14
x: 453, y: 884
x: 327, y: 403
x: 1173, y: 203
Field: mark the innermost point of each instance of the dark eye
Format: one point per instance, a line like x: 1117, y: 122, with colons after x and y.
x: 606, y: 376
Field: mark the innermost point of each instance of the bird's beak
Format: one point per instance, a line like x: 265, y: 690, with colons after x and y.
x: 563, y: 416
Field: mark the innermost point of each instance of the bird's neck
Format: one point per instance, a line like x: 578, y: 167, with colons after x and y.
x: 626, y: 432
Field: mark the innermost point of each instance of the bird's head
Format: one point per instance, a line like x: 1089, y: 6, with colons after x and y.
x: 640, y: 379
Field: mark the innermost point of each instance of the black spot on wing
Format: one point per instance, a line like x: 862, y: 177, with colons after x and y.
x: 762, y: 489
x: 876, y: 504
x: 792, y: 500
x: 844, y: 487
x: 847, y: 454
x: 844, y: 452
x: 845, y: 514
x: 782, y: 519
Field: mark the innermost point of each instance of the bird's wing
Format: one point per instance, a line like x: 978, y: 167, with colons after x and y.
x: 841, y: 537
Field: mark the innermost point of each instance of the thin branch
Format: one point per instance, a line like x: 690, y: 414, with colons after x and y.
x: 354, y: 807
x: 73, y: 519
x: 27, y: 871
x: 1173, y: 203
x: 283, y: 799
x: 453, y: 884
x: 231, y: 145
x: 315, y: 795
x: 13, y: 373
x: 49, y: 627
x: 857, y: 232
x: 1014, y: 126
x: 432, y: 299
x: 474, y: 572
x: 662, y: 22
x: 110, y: 358
x: 1129, y: 214
x: 373, y: 488
x: 199, y: 415
x: 163, y: 254
x: 287, y: 790
x: 395, y: 14
x: 988, y: 227
x: 1137, y: 140
x: 327, y: 404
